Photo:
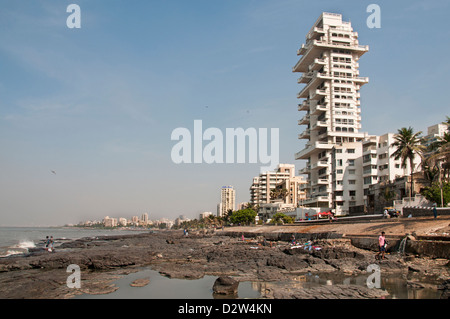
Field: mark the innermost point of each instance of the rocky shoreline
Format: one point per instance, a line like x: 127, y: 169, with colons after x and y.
x: 220, y: 253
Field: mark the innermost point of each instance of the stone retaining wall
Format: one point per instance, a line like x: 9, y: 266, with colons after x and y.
x: 428, y: 248
x: 285, y: 236
x: 424, y: 211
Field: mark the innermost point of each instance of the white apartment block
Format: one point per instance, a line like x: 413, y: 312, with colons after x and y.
x: 329, y: 63
x: 378, y: 165
x: 110, y: 222
x: 346, y: 177
x: 284, y: 178
x: 434, y: 133
x: 144, y: 218
x: 204, y: 215
x: 122, y: 221
x: 227, y: 200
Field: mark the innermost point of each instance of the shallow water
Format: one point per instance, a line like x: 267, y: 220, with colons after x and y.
x: 161, y: 287
x: 394, y: 284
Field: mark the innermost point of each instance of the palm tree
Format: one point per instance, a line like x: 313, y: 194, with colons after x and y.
x: 447, y: 121
x: 440, y: 155
x: 408, y: 145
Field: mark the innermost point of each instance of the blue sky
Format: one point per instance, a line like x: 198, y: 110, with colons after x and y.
x: 97, y: 105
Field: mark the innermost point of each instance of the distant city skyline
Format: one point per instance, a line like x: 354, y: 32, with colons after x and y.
x: 86, y: 114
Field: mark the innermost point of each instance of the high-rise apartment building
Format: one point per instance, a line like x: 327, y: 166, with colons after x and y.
x: 331, y: 100
x: 227, y: 200
x: 144, y: 218
x: 109, y: 222
x: 266, y: 184
x: 434, y: 133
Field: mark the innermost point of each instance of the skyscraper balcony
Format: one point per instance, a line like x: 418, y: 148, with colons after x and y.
x: 304, y: 120
x: 306, y: 134
x: 304, y: 106
x: 317, y: 64
x: 311, y: 148
x: 317, y: 109
x: 319, y: 93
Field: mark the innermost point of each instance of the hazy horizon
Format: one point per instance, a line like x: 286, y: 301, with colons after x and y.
x: 86, y: 115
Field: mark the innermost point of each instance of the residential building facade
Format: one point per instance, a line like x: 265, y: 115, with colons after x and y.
x: 227, y: 200
x: 279, y: 185
x: 109, y: 222
x: 379, y: 167
x: 331, y: 100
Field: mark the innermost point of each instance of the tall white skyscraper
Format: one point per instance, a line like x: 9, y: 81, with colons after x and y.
x: 331, y: 100
x: 227, y: 199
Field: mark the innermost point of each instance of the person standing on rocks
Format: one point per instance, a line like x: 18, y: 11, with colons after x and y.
x: 47, y: 242
x: 381, y: 246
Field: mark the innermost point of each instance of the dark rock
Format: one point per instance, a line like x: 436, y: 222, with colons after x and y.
x: 445, y: 287
x: 413, y: 269
x: 225, y: 286
x: 140, y: 282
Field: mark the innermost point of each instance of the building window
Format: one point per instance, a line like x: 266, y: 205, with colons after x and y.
x: 352, y: 181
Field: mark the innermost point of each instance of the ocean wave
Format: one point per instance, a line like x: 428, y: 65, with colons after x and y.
x: 25, y: 244
x: 12, y: 252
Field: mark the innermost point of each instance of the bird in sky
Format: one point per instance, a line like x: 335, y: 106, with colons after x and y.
x: 54, y: 172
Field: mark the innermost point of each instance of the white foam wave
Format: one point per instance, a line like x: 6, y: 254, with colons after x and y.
x: 25, y: 244
x: 11, y: 252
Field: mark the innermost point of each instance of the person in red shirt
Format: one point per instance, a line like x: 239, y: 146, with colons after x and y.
x: 381, y: 246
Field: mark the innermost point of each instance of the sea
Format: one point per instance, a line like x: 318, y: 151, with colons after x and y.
x: 18, y: 240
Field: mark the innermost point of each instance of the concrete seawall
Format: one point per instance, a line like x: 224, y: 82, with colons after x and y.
x: 425, y: 211
x: 422, y: 247
x: 284, y: 236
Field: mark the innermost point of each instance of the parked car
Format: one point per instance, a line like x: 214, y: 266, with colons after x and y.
x: 392, y: 212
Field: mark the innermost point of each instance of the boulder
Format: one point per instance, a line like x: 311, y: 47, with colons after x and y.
x: 225, y: 286
x: 140, y: 282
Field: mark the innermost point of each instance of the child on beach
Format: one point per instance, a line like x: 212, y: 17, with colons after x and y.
x: 381, y: 246
x: 50, y: 243
x: 47, y: 241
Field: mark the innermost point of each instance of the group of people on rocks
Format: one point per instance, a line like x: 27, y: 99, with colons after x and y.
x: 49, y: 242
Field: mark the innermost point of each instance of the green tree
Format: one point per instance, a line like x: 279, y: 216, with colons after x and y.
x: 243, y: 216
x: 433, y: 193
x: 407, y: 145
x: 436, y: 165
x: 279, y: 218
